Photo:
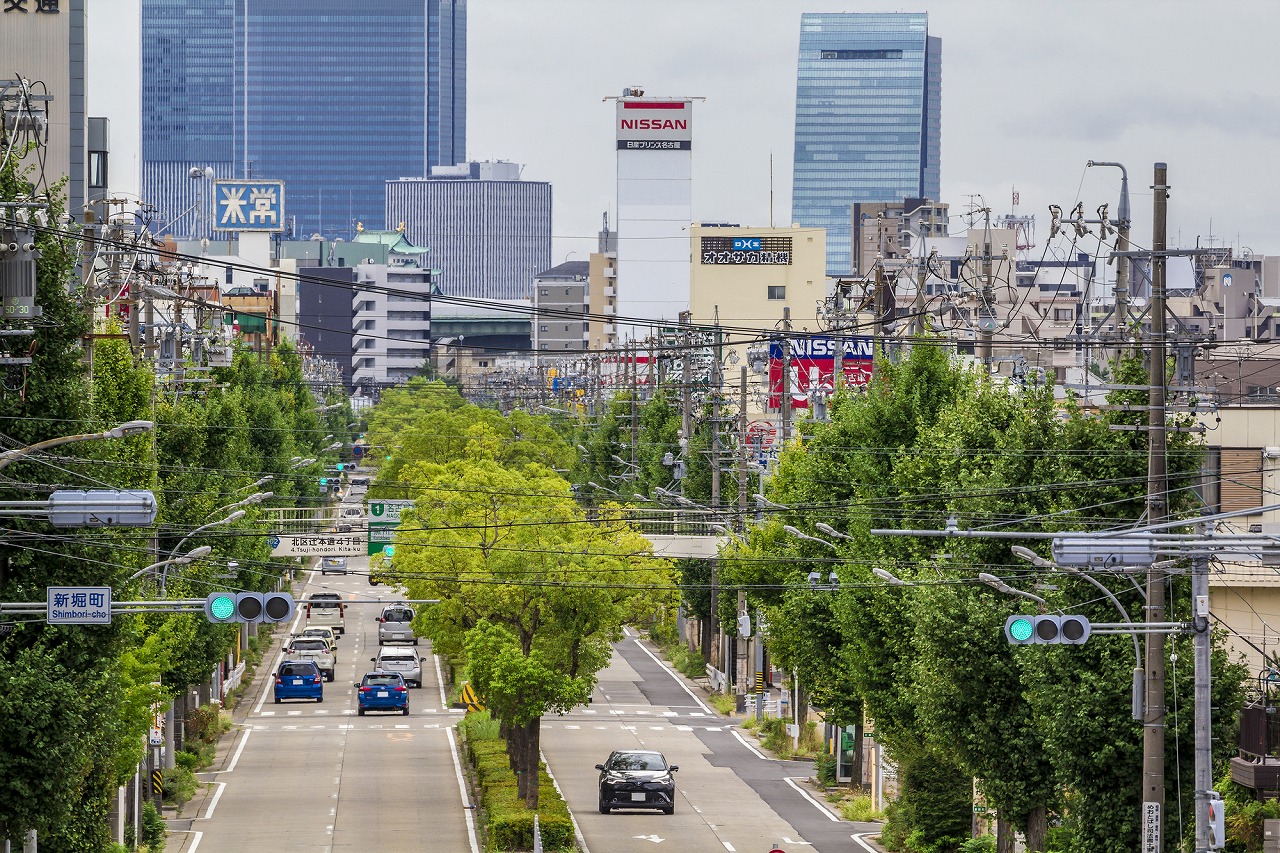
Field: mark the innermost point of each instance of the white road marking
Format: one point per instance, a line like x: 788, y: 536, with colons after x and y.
x: 573, y: 727
x: 728, y: 846
x: 236, y: 755
x: 444, y: 700
x: 757, y: 753
x: 657, y: 728
x: 213, y: 804
x: 676, y: 678
x: 826, y: 812
x: 577, y: 830
x: 684, y: 728
x: 195, y: 842
x: 857, y: 839
x: 654, y: 838
x: 462, y: 791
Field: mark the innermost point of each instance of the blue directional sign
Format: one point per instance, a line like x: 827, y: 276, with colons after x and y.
x: 78, y: 605
x: 248, y: 205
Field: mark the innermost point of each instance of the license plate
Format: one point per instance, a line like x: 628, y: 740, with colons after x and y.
x: 637, y: 798
x: 382, y: 694
x: 297, y: 681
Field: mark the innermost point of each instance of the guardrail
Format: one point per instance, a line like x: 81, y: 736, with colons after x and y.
x: 669, y: 522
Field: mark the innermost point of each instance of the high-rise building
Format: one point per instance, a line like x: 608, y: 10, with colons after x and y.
x: 868, y: 110
x: 489, y: 232
x: 332, y: 97
x: 655, y: 209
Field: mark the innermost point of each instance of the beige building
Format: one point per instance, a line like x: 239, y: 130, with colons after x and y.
x: 43, y: 42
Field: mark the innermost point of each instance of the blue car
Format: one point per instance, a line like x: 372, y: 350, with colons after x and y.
x: 382, y: 691
x: 299, y: 679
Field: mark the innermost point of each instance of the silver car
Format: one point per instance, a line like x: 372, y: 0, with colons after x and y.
x: 401, y: 660
x: 395, y: 625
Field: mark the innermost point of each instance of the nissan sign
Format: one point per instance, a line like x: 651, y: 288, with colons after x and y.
x: 654, y: 125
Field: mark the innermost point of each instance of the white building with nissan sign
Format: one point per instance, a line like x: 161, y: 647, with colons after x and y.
x: 655, y: 207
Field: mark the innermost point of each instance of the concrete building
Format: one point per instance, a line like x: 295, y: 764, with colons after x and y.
x: 602, y: 291
x: 391, y: 313
x: 332, y: 97
x: 868, y: 119
x: 43, y: 41
x: 561, y: 301
x: 655, y: 208
x: 489, y: 231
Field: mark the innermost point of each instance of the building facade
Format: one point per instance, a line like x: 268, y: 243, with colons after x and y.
x: 390, y: 314
x: 489, y: 231
x: 655, y: 209
x: 561, y: 302
x: 868, y: 116
x: 44, y: 43
x: 269, y: 89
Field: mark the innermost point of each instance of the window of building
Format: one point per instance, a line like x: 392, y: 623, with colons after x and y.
x: 543, y: 328
x: 98, y: 169
x: 542, y: 346
x: 1238, y: 476
x: 566, y: 291
x: 861, y: 54
x: 483, y: 363
x: 777, y: 291
x: 1064, y: 315
x: 543, y: 291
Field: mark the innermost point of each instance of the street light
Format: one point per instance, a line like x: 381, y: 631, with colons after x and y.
x: 124, y: 429
x: 891, y: 579
x: 235, y: 516
x: 301, y: 463
x: 730, y: 532
x: 801, y: 535
x: 1000, y: 586
x: 256, y: 498
x: 180, y: 560
x: 831, y: 531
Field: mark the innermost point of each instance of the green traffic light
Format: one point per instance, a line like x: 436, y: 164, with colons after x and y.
x: 389, y: 550
x: 222, y: 607
x: 1020, y: 630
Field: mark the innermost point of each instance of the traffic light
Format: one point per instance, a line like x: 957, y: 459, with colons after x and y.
x: 228, y: 607
x: 1025, y: 630
x: 744, y: 624
x: 1217, y: 822
x: 324, y: 482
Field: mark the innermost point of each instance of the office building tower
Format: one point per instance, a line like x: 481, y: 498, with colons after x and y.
x: 489, y: 232
x: 868, y: 108
x: 332, y: 97
x: 655, y: 208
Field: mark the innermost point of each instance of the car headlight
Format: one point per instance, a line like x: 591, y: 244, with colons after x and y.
x: 614, y: 777
x: 664, y: 780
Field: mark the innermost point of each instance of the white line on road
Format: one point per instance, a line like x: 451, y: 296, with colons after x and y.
x: 462, y: 789
x: 677, y: 678
x: 757, y: 753
x: 195, y: 842
x: 817, y: 805
x: 857, y: 839
x: 444, y: 700
x: 577, y: 830
x: 213, y: 804
x: 729, y: 847
x: 239, y: 749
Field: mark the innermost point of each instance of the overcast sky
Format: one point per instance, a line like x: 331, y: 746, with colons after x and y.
x: 1030, y: 91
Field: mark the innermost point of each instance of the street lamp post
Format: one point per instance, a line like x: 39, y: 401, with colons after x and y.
x: 180, y: 560
x: 235, y: 516
x: 128, y: 428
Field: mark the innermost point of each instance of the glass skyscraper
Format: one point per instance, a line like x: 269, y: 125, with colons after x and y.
x: 868, y: 91
x: 330, y: 96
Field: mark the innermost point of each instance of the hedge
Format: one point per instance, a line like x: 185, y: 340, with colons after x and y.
x: 508, y: 823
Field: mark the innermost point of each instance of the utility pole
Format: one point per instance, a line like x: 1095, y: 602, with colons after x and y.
x: 717, y: 381
x: 1122, y: 222
x: 686, y: 390
x: 741, y: 521
x: 1153, y: 721
x: 986, y: 308
x: 786, y: 377
x: 1203, y: 701
x: 632, y: 349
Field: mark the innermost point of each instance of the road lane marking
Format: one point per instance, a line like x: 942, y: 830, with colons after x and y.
x: 729, y: 847
x: 462, y: 790
x: 674, y: 677
x: 213, y: 804
x: 577, y: 830
x: 195, y: 842
x: 239, y: 749
x: 817, y: 805
x: 444, y: 700
x: 757, y: 753
x: 857, y: 839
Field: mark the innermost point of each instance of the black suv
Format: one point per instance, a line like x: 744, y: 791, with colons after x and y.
x: 637, y: 779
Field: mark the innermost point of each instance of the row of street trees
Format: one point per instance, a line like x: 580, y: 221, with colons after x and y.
x: 532, y: 592
x: 75, y: 701
x: 1045, y: 731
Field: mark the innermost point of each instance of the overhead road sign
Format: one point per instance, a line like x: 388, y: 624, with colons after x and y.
x: 317, y: 544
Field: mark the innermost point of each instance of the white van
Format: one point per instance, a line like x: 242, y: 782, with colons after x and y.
x: 326, y: 608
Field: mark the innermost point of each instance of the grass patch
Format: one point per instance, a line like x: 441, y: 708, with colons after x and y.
x: 860, y: 808
x: 724, y: 703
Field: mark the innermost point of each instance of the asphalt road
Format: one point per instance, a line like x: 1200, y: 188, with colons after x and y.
x: 730, y: 795
x: 317, y: 778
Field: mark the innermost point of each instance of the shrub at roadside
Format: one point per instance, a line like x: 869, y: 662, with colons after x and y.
x: 508, y: 823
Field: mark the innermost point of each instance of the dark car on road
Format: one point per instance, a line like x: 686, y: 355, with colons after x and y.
x: 637, y: 779
x: 299, y: 679
x: 382, y: 691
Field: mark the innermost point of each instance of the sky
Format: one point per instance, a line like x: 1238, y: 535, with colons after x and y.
x: 1031, y: 91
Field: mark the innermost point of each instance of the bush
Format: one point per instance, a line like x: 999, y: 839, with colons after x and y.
x: 508, y: 823
x: 179, y: 784
x: 860, y: 808
x: 725, y: 703
x: 981, y: 844
x: 187, y: 760
x: 824, y: 766
x: 688, y: 661
x: 663, y: 633
x: 204, y: 724
x: 153, y: 828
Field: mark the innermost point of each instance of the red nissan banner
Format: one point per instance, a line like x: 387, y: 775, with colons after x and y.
x: 813, y: 362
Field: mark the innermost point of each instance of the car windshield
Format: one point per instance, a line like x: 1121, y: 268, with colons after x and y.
x: 383, y: 680
x: 637, y: 761
x: 298, y: 669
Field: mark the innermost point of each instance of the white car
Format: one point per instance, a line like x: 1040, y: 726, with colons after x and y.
x: 315, y: 649
x: 402, y: 660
